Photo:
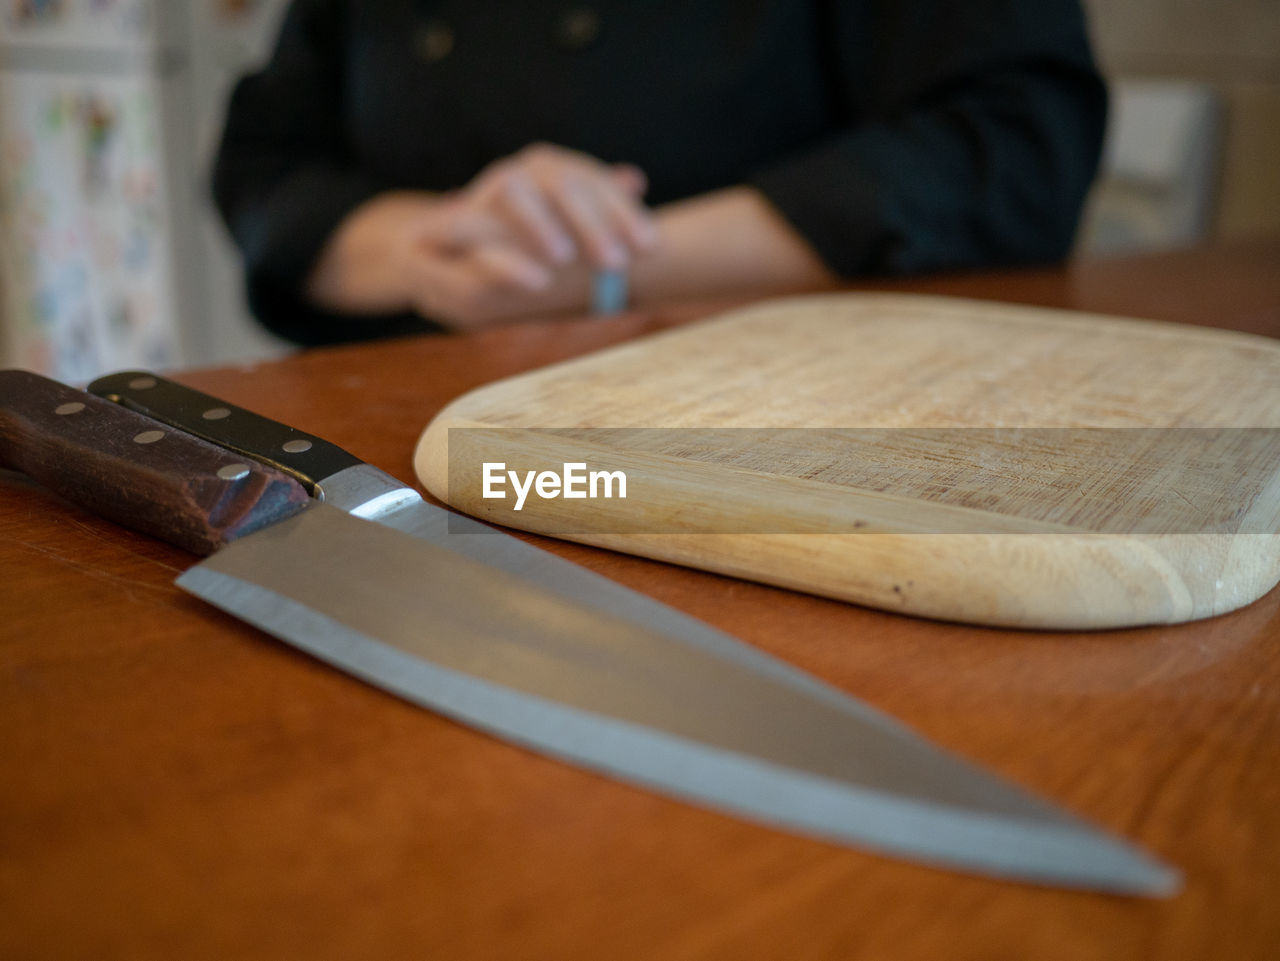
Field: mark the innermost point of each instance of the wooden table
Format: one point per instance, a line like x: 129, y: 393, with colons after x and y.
x: 175, y: 785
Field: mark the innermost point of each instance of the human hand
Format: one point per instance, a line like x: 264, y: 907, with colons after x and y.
x: 441, y: 258
x: 562, y: 205
x: 521, y: 237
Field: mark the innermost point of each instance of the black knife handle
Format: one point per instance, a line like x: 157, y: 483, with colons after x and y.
x: 302, y: 455
x: 124, y: 467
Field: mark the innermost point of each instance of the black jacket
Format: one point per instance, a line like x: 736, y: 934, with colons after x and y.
x: 898, y: 136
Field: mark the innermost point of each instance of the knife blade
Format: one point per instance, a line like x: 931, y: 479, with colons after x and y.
x: 496, y: 650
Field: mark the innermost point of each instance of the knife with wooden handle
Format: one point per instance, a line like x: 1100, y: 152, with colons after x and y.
x: 493, y: 647
x: 125, y: 468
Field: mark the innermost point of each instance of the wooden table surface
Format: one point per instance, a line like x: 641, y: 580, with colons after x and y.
x: 176, y: 785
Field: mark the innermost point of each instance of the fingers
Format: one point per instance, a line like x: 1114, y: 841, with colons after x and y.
x: 524, y: 235
x: 631, y: 221
x: 456, y: 223
x: 531, y: 212
x: 593, y: 216
x: 510, y: 268
x: 563, y: 205
x: 476, y: 287
x: 631, y: 179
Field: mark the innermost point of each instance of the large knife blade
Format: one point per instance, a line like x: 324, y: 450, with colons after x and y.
x: 496, y: 650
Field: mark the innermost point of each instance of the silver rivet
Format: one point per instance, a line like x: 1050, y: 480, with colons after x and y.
x: 233, y: 472
x: 71, y: 407
x: 142, y: 383
x: 296, y: 446
x: 434, y: 41
x: 216, y: 413
x: 148, y: 437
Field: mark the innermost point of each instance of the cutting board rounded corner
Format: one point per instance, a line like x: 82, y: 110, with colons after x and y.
x: 431, y: 456
x: 906, y: 360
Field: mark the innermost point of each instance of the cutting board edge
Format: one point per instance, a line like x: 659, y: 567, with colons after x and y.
x: 1079, y: 585
x: 1054, y: 581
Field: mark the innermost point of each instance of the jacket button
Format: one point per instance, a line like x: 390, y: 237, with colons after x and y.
x: 578, y: 28
x: 433, y: 41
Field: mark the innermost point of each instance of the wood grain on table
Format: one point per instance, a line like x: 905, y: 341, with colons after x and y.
x: 178, y: 785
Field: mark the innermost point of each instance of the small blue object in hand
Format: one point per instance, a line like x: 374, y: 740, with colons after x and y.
x: 609, y: 291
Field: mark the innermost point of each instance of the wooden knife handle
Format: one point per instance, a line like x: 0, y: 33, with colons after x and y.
x: 302, y: 455
x: 131, y: 470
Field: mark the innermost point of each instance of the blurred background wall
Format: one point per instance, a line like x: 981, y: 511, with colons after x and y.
x: 111, y: 256
x: 1195, y: 134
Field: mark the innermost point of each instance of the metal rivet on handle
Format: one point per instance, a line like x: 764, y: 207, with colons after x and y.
x: 296, y: 446
x: 148, y: 437
x: 71, y: 407
x: 233, y: 472
x: 142, y: 383
x: 216, y: 413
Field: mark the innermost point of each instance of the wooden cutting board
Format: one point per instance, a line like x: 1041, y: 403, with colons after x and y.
x: 953, y: 459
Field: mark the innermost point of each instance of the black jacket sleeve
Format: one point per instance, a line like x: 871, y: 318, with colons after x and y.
x: 284, y: 177
x: 974, y: 133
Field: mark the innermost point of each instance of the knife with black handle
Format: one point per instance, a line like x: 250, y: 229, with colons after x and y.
x: 304, y: 456
x: 694, y: 714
